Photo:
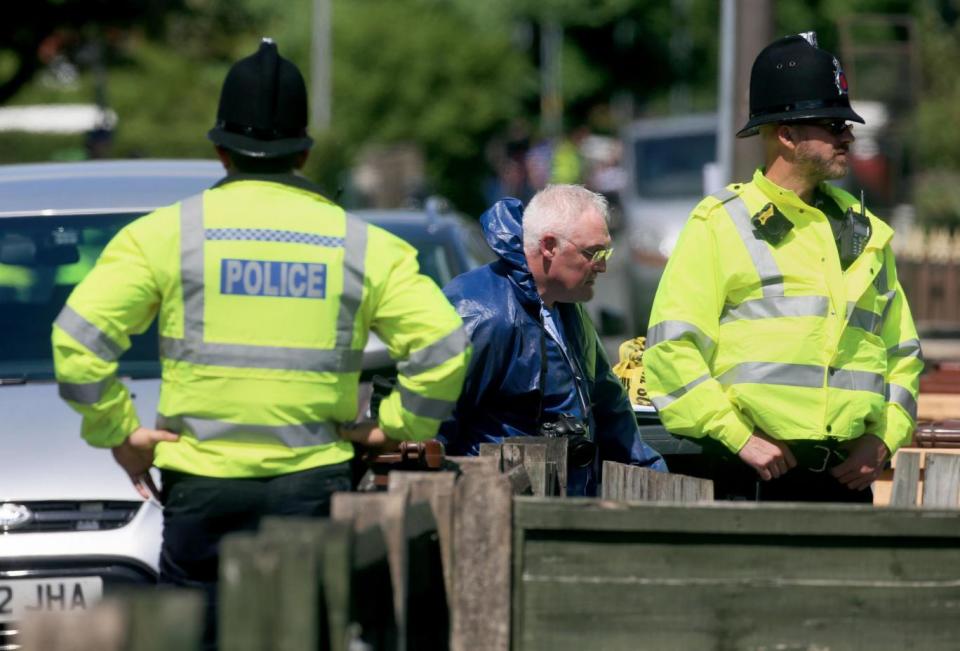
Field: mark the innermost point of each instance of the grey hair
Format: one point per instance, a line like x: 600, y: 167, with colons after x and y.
x: 555, y: 208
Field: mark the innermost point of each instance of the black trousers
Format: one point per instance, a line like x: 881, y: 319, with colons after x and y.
x: 199, y: 511
x: 809, y: 481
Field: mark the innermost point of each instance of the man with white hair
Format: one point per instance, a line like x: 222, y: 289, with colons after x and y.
x: 537, y: 366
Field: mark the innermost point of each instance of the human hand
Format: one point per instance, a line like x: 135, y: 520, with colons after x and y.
x: 369, y: 435
x: 864, y: 463
x: 769, y: 457
x: 135, y: 456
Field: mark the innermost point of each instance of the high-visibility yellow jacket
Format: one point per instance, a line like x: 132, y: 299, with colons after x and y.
x: 745, y: 334
x: 265, y: 294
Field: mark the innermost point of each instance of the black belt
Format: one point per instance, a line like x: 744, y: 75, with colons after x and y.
x: 817, y: 456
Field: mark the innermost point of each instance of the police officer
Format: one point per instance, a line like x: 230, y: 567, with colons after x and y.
x: 265, y: 293
x: 780, y: 336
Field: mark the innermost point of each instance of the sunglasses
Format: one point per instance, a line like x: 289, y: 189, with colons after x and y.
x: 593, y: 255
x: 835, y: 127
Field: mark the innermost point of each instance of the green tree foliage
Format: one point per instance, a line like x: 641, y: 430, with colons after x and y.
x: 422, y: 72
x: 937, y: 138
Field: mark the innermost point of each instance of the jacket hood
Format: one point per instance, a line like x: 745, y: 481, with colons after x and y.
x: 502, y: 226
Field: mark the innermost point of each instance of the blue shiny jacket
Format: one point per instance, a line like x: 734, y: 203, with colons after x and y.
x: 500, y: 307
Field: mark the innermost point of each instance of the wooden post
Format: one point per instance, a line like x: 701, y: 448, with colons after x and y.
x: 906, y: 478
x: 480, y: 613
x: 633, y: 483
x: 314, y: 577
x: 555, y: 462
x: 248, y: 567
x: 941, y: 483
x: 144, y: 619
x: 437, y: 488
x: 387, y: 511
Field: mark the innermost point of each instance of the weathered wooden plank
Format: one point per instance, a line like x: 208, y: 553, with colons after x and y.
x: 140, y: 619
x: 906, y: 477
x: 467, y: 465
x: 793, y: 618
x: 611, y: 487
x: 315, y: 576
x: 480, y: 614
x: 533, y: 458
x: 492, y: 450
x: 730, y: 517
x: 102, y: 628
x: 941, y: 482
x: 436, y: 488
x: 555, y: 460
x: 248, y: 566
x: 387, y: 511
x: 632, y: 483
x: 658, y: 576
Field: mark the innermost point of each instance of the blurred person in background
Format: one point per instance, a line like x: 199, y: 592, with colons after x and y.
x: 538, y: 366
x: 780, y: 336
x: 266, y: 293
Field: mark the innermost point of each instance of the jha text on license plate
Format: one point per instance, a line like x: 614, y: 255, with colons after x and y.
x: 21, y: 597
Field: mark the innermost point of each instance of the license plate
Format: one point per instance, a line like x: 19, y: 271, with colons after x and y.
x: 21, y: 597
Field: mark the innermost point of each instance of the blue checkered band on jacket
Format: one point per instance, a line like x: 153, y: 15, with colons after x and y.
x: 271, y: 235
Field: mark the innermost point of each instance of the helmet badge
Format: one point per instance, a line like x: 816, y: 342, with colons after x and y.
x: 839, y: 79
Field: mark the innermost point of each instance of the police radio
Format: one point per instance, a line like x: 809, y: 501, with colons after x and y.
x: 854, y: 234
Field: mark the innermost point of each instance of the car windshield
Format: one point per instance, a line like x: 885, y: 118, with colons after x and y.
x: 43, y: 258
x: 672, y: 166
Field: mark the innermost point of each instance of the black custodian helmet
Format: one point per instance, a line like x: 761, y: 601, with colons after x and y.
x: 263, y: 106
x: 791, y: 80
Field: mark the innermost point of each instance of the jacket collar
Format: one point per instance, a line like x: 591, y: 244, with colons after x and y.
x: 882, y: 233
x: 502, y: 226
x: 288, y: 179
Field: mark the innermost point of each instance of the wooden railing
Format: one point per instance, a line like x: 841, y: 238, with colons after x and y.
x: 928, y: 264
x: 459, y: 560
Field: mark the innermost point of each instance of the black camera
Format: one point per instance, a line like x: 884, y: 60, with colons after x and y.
x: 581, y: 451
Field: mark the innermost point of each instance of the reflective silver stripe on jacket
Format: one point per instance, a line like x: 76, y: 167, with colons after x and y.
x: 293, y: 436
x: 87, y: 393
x: 855, y: 380
x: 662, y: 402
x: 245, y: 356
x: 354, y: 270
x: 192, y: 348
x: 771, y: 280
x: 423, y: 406
x: 902, y: 396
x: 88, y: 335
x: 776, y: 307
x: 801, y: 375
x: 679, y: 331
x: 908, y: 348
x: 432, y: 356
x: 798, y: 375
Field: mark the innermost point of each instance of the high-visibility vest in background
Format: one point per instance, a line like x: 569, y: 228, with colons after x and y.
x: 265, y: 294
x: 748, y: 334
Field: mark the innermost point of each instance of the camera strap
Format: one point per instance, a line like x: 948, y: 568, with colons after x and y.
x: 543, y: 371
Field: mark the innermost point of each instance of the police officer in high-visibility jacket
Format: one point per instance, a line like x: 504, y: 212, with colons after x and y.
x: 779, y: 333
x: 265, y: 293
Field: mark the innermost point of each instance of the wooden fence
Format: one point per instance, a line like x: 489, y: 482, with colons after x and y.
x: 464, y: 561
x: 928, y: 264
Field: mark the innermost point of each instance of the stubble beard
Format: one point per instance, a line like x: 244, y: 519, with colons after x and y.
x: 817, y: 167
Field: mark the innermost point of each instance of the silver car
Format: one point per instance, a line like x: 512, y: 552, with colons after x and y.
x: 72, y: 527
x: 665, y: 159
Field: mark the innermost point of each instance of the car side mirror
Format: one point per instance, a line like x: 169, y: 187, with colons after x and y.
x: 57, y: 248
